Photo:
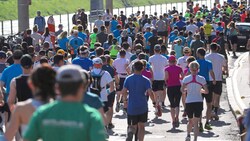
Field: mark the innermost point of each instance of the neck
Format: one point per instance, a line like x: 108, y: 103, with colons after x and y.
x: 16, y: 61
x: 137, y: 72
x: 27, y: 71
x: 71, y: 98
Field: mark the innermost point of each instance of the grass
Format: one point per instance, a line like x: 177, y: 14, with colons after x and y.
x: 8, y: 8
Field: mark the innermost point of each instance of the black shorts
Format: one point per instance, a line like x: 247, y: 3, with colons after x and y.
x: 163, y: 33
x: 6, y: 108
x: 158, y: 85
x: 209, y: 39
x: 121, y: 82
x: 209, y: 96
x: 111, y: 100
x: 174, y: 96
x: 135, y: 119
x: 106, y: 106
x: 107, y: 23
x: 194, y: 109
x: 234, y: 40
x: 217, y: 88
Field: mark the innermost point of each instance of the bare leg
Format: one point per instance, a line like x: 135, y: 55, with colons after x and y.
x: 141, y: 131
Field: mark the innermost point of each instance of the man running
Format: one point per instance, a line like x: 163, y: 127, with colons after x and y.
x: 193, y: 84
x: 158, y: 63
x: 219, y: 64
x: 206, y: 69
x: 135, y: 87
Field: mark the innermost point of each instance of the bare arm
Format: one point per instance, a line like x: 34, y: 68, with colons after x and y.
x: 13, y: 125
x: 12, y: 95
x: 183, y: 87
x: 125, y: 95
x: 204, y: 90
x: 213, y: 76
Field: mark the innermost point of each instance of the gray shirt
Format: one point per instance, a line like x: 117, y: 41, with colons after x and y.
x: 195, y: 44
x: 98, y: 24
x: 161, y: 26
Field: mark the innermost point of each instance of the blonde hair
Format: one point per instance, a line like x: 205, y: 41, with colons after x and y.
x: 63, y: 35
x: 194, y: 65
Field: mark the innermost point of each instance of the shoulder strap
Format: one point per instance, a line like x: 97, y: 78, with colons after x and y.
x: 194, y: 81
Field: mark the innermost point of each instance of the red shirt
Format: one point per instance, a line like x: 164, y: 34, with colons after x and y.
x: 243, y: 17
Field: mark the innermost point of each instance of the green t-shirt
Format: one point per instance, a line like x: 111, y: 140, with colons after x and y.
x: 65, y: 121
x: 92, y: 40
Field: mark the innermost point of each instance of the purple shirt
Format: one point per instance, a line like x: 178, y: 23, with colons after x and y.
x: 173, y: 75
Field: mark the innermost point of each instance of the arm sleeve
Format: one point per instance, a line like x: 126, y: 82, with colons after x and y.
x: 32, y: 132
x: 97, y: 132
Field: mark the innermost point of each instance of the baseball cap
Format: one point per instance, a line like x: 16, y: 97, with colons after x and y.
x: 186, y: 50
x: 172, y: 58
x: 60, y: 51
x: 157, y: 47
x: 97, y: 61
x: 3, y: 54
x: 26, y: 61
x: 70, y: 73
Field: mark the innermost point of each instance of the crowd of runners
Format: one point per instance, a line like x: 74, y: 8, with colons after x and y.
x: 64, y: 86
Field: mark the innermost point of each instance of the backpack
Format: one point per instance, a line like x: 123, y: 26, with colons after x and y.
x: 95, y: 86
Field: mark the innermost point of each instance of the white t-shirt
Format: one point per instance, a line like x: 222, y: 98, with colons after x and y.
x: 194, y: 89
x: 106, y: 79
x: 182, y: 62
x: 158, y: 63
x: 218, y: 61
x: 120, y: 66
x: 47, y: 39
x: 107, y: 17
x: 192, y: 27
x: 38, y: 37
x: 128, y: 55
x: 98, y: 24
x: 129, y: 41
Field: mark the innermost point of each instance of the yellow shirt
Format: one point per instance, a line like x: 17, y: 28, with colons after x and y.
x: 208, y: 29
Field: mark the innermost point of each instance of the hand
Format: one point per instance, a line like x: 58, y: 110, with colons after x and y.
x: 214, y: 82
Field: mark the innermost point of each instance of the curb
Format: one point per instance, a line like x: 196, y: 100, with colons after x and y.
x: 235, y: 102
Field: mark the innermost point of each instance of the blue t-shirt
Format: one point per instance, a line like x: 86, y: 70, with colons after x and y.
x: 165, y: 55
x: 76, y: 43
x: 137, y: 86
x: 199, y: 24
x: 116, y: 33
x: 172, y: 38
x: 8, y: 74
x: 146, y: 36
x: 113, y: 25
x: 205, y: 67
x: 219, y: 28
x: 63, y: 43
x: 85, y: 63
x: 180, y: 24
x: 92, y: 100
x: 183, y: 39
x: 247, y: 125
x: 82, y: 35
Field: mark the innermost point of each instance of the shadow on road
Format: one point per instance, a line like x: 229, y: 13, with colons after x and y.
x: 123, y: 116
x: 208, y: 134
x: 175, y: 130
x: 159, y: 121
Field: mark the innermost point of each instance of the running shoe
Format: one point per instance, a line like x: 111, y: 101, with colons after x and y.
x: 111, y: 126
x: 188, y: 138
x: 201, y: 127
x: 208, y: 126
x: 173, y: 124
x: 129, y: 136
x: 216, y: 117
x: 117, y: 108
x: 177, y: 123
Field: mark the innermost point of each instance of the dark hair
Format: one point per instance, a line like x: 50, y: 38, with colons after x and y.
x: 99, y: 51
x: 28, y: 31
x: 108, y: 59
x: 190, y: 59
x: 125, y: 45
x: 163, y: 48
x: 114, y: 41
x: 201, y: 51
x: 44, y: 86
x: 57, y: 58
x: 110, y: 39
x: 46, y: 32
x: 142, y: 56
x: 213, y: 46
x: 42, y: 53
x: 17, y: 54
x: 102, y: 28
x: 80, y: 28
x: 138, y: 65
x: 122, y: 52
x: 104, y: 60
x: 44, y: 60
x: 95, y: 30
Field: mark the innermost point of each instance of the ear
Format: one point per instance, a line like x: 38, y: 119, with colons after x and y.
x: 57, y: 91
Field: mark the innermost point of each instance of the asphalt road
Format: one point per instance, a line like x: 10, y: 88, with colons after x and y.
x: 225, y: 129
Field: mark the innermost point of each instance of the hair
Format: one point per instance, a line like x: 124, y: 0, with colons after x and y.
x: 28, y: 31
x: 122, y: 52
x: 110, y: 39
x: 17, y: 55
x: 172, y: 52
x: 142, y: 56
x: 80, y: 28
x: 194, y: 65
x: 44, y: 86
x: 214, y: 46
x: 69, y: 88
x: 190, y: 59
x: 201, y: 51
x: 46, y: 32
x: 44, y: 60
x: 95, y: 30
x: 99, y: 51
x: 138, y: 65
x: 102, y: 28
x: 163, y: 48
x: 108, y: 59
x: 104, y: 59
x: 125, y: 45
x: 114, y: 41
x: 57, y: 58
x: 35, y: 28
x: 63, y: 35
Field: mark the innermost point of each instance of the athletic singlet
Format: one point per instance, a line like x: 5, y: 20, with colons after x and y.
x: 113, y: 52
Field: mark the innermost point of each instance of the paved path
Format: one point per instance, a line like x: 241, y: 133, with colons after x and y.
x: 225, y: 129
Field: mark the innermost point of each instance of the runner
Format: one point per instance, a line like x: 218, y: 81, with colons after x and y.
x: 57, y: 121
x: 173, y: 74
x: 19, y: 89
x: 182, y: 60
x: 193, y: 84
x: 135, y: 87
x: 83, y: 59
x: 161, y: 27
x: 120, y: 64
x: 206, y: 69
x: 158, y: 63
x: 42, y: 90
x: 75, y: 43
x: 219, y: 65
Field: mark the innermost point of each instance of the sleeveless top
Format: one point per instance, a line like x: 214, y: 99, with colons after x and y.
x: 22, y: 88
